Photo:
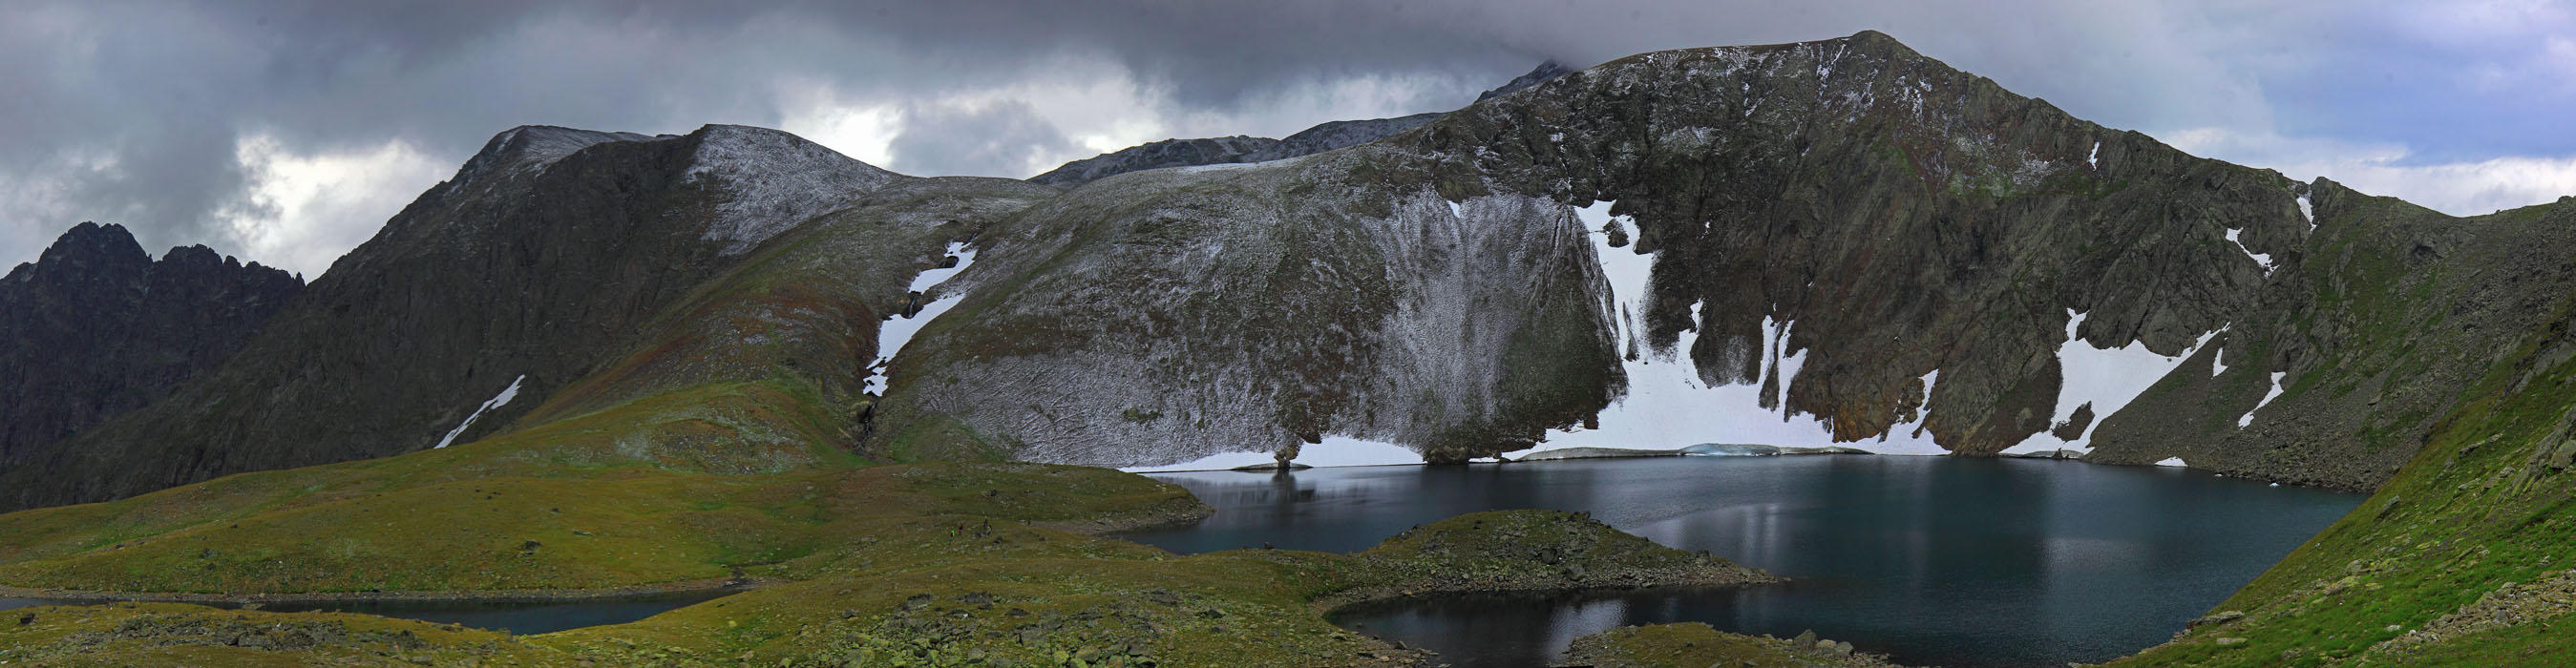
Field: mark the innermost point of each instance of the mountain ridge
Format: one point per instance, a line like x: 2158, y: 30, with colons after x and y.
x: 95, y: 327
x: 1326, y: 136
x: 457, y: 298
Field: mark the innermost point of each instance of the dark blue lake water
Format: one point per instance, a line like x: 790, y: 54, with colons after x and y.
x: 1938, y: 561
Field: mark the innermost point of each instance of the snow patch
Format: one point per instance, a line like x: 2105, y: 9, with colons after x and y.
x: 774, y: 181
x: 1334, y: 451
x: 1667, y: 406
x: 2247, y: 420
x: 2108, y: 379
x: 2171, y: 461
x: 2307, y: 212
x: 498, y: 400
x: 2264, y: 259
x: 897, y: 331
x: 2094, y: 158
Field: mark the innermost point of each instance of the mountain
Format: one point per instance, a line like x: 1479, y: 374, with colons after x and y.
x: 694, y: 352
x: 551, y: 255
x: 95, y: 327
x: 1829, y: 225
x: 1807, y: 244
x: 1240, y: 149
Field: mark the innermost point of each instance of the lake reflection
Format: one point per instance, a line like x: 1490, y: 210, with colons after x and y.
x: 1939, y: 561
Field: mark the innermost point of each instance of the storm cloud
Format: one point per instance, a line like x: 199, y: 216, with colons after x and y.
x: 286, y: 131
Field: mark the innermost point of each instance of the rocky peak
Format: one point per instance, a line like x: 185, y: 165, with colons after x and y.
x: 96, y: 327
x: 87, y: 249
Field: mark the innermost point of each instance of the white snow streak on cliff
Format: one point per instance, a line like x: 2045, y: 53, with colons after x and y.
x: 1668, y: 407
x: 774, y: 182
x: 2248, y: 419
x: 2264, y: 259
x: 2307, y: 212
x: 498, y: 400
x: 897, y: 331
x: 2108, y: 379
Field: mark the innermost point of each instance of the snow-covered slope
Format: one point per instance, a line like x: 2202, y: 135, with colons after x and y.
x: 774, y: 181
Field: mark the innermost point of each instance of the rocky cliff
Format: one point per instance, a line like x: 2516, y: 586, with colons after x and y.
x: 94, y: 328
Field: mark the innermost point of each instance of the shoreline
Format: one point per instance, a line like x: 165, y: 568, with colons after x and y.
x: 1788, y: 451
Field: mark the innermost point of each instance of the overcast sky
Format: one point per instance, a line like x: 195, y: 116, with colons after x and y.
x: 287, y: 131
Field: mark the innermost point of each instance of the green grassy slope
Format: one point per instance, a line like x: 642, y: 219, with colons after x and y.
x: 2461, y: 559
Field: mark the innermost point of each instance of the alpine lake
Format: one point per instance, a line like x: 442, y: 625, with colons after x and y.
x: 1936, y: 561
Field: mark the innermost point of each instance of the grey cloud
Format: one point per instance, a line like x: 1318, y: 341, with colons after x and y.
x: 1002, y: 138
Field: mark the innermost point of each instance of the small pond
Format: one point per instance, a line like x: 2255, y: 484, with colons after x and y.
x: 521, y: 617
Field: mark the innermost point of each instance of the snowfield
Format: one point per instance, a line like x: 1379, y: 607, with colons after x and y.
x: 497, y: 401
x: 1668, y: 407
x: 2247, y: 420
x: 2108, y: 379
x: 897, y: 331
